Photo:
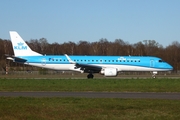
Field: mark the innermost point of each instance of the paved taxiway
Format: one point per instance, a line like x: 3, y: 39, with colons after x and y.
x: 133, y: 95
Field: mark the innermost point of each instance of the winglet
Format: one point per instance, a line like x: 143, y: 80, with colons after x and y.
x: 69, y: 59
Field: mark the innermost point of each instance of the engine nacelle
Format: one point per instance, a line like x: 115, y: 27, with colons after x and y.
x: 109, y: 72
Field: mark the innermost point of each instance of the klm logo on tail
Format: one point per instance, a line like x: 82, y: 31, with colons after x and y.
x: 20, y: 46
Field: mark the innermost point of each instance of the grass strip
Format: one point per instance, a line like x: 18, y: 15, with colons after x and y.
x: 22, y: 108
x: 117, y: 85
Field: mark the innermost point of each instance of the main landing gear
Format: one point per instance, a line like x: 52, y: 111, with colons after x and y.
x: 154, y: 74
x: 90, y: 76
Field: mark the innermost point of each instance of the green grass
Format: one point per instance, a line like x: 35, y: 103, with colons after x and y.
x: 55, y: 108
x: 117, y: 85
x: 21, y: 108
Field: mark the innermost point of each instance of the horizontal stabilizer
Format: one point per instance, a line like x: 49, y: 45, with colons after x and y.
x: 15, y: 59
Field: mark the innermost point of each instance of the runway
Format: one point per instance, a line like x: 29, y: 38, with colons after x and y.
x: 132, y: 95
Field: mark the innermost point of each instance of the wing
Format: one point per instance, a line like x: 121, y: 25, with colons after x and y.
x: 89, y: 68
x: 85, y: 67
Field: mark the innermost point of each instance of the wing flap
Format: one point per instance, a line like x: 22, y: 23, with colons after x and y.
x: 85, y: 67
x: 89, y: 68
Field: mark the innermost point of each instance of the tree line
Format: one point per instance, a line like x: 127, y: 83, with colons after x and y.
x: 170, y: 53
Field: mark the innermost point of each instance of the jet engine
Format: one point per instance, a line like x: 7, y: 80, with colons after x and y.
x: 109, y: 72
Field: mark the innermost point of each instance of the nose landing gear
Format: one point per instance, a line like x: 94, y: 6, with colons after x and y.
x: 154, y: 73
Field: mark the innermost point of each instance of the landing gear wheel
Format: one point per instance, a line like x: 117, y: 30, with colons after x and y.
x: 90, y: 76
x: 154, y: 76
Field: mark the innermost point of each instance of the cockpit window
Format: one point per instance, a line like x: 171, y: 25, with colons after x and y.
x: 161, y: 61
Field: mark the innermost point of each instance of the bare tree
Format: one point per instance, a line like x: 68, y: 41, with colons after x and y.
x: 151, y: 47
x: 83, y: 48
x: 44, y: 45
x: 102, y: 47
x: 34, y: 45
x: 172, y: 53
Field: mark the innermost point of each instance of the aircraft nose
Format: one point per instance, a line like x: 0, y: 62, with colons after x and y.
x: 169, y: 67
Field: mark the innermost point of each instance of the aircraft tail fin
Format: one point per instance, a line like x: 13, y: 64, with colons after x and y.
x: 20, y: 47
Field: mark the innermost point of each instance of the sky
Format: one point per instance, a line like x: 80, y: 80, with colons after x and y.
x: 91, y: 20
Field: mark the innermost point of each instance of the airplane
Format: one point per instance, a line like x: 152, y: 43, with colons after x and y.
x: 108, y: 66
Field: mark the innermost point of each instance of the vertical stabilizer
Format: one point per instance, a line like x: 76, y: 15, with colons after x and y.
x: 20, y: 47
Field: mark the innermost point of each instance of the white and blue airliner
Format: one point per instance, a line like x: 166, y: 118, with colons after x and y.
x: 105, y: 65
